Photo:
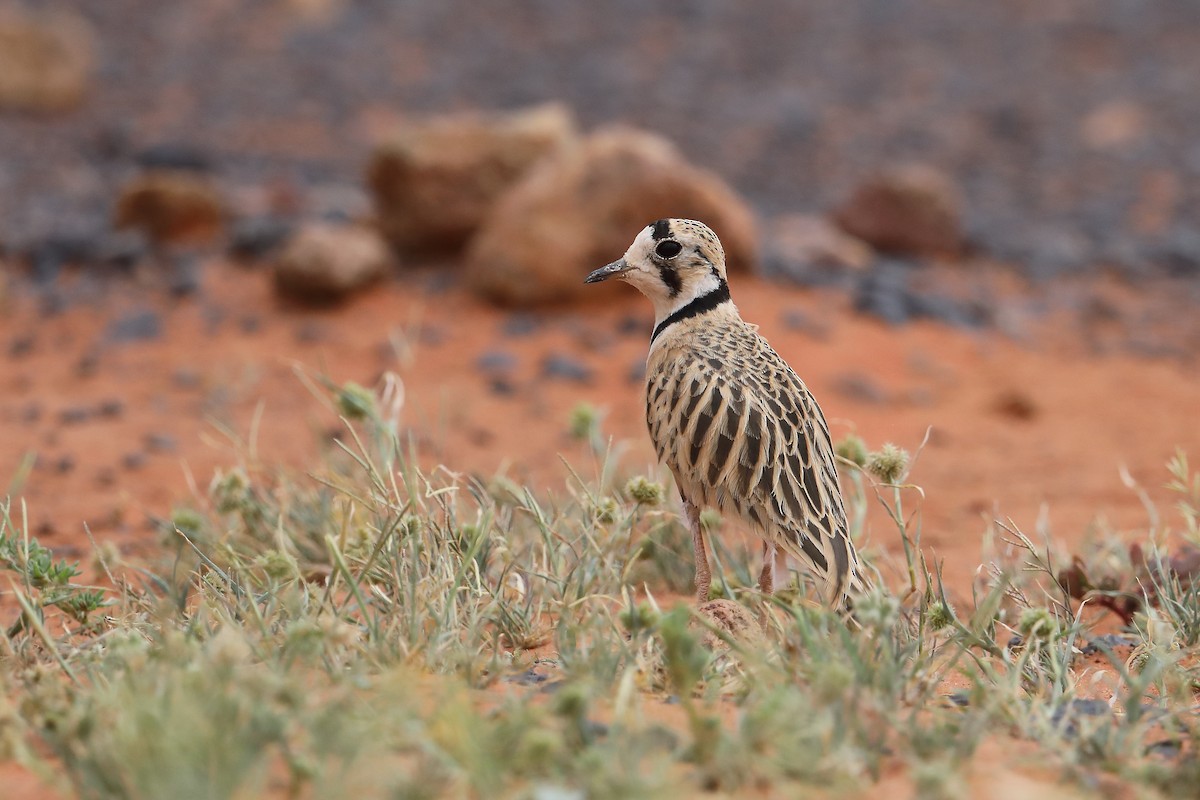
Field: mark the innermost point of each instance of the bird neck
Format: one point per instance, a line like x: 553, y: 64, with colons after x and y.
x: 710, y: 294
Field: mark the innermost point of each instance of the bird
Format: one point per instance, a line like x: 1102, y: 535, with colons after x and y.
x: 732, y: 421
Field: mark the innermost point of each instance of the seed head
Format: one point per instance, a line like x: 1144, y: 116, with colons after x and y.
x: 644, y: 492
x: 889, y: 464
x: 853, y: 449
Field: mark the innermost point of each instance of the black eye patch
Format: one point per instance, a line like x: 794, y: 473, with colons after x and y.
x: 668, y: 249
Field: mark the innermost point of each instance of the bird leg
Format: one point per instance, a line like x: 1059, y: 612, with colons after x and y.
x: 766, y: 580
x: 691, y: 513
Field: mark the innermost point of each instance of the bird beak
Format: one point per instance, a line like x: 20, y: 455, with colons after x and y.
x: 604, y: 273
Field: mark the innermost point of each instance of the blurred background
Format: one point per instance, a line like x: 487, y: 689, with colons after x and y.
x: 983, y: 218
x: 1061, y: 123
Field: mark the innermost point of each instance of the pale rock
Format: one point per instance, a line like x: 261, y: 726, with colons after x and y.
x: 911, y: 209
x: 580, y: 208
x: 434, y: 181
x: 45, y: 60
x: 325, y: 262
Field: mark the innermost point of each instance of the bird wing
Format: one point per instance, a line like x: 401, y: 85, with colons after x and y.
x: 746, y: 436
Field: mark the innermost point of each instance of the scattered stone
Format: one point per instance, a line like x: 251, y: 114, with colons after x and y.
x: 186, y: 378
x: 559, y: 365
x: 135, y: 326
x: 812, y: 250
x: 496, y: 361
x: 250, y: 323
x: 883, y: 293
x: 730, y: 618
x: 325, y: 262
x: 502, y: 387
x: 174, y: 156
x: 184, y: 277
x: 110, y: 409
x: 64, y: 465
x: 797, y: 320
x: 634, y: 325
x: 636, y: 374
x: 435, y: 181
x: 580, y: 208
x: 256, y: 238
x: 31, y: 413
x: 21, y: 345
x: 860, y: 387
x: 45, y: 60
x: 527, y: 678
x: 123, y: 250
x: 1016, y: 405
x: 133, y: 461
x: 520, y: 324
x: 311, y: 332
x: 74, y: 415
x: 161, y: 443
x: 912, y: 209
x: 960, y: 698
x: 1112, y: 641
x: 1113, y: 125
x: 171, y: 207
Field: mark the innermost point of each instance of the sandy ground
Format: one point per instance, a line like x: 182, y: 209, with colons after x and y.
x: 111, y: 434
x: 1035, y: 429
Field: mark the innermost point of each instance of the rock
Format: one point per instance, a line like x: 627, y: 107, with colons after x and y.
x: 580, y: 208
x: 800, y: 245
x: 171, y: 206
x: 45, y: 60
x: 559, y: 365
x: 325, y: 262
x: 435, y: 181
x: 254, y: 238
x: 731, y: 619
x: 912, y: 209
x: 174, y: 156
x: 136, y: 326
x: 1113, y: 125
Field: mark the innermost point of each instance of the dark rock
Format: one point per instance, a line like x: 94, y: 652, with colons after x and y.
x: 184, y: 277
x: 883, y: 293
x: 1179, y: 253
x: 948, y: 310
x: 31, y: 413
x: 961, y: 698
x: 637, y: 371
x: 186, y: 378
x: 527, y: 678
x: 634, y: 325
x: 135, y: 326
x: 1110, y: 641
x: 174, y: 156
x: 250, y: 323
x: 74, y: 415
x: 21, y: 345
x: 161, y: 443
x: 496, y: 361
x: 64, y: 465
x: 122, y: 249
x: 860, y: 387
x: 559, y: 365
x: 256, y: 238
x: 521, y: 324
x: 110, y: 409
x: 502, y: 387
x: 1165, y: 748
x: 133, y: 461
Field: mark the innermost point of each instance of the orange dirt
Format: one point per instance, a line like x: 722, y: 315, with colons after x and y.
x: 1020, y: 429
x: 1028, y: 429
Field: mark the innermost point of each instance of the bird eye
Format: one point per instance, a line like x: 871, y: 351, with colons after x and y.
x: 668, y: 249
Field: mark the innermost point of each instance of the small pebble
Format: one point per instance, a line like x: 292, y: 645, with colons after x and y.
x: 135, y: 326
x: 558, y: 365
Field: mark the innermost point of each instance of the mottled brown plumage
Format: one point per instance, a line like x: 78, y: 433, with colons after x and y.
x: 732, y: 421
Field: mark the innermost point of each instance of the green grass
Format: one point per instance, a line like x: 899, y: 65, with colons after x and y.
x: 366, y: 632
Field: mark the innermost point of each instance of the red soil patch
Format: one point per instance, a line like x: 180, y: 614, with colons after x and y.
x: 1021, y: 430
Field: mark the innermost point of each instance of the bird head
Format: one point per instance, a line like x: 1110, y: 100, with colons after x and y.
x: 672, y: 261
